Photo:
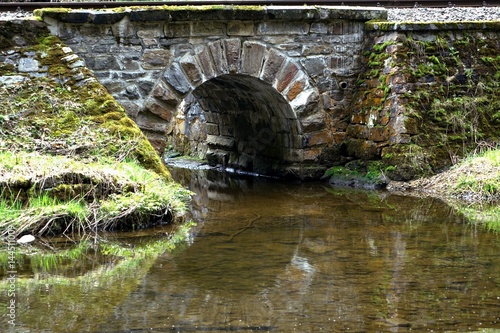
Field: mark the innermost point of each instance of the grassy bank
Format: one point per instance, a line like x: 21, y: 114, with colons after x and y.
x: 472, y: 187
x: 71, y: 160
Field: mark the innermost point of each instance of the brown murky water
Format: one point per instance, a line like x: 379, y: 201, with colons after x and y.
x: 266, y: 256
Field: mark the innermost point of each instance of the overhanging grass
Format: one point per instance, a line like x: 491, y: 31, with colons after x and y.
x: 44, y: 194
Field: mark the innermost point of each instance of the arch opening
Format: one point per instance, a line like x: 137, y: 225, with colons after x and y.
x: 238, y: 121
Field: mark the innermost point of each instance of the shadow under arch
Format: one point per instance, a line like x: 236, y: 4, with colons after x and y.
x: 239, y: 121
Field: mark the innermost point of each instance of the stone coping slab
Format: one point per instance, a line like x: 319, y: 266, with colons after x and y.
x: 431, y: 26
x: 211, y: 13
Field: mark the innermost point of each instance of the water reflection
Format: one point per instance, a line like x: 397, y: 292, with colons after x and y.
x: 277, y: 257
x: 304, y: 258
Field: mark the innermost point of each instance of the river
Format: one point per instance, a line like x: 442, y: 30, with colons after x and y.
x: 271, y: 256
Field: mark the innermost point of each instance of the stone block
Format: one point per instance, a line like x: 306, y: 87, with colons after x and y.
x: 103, y: 62
x: 164, y: 93
x: 123, y: 28
x: 306, y: 102
x: 149, y: 30
x: 212, y: 128
x: 317, y: 49
x: 379, y: 134
x: 313, y: 122
x: 208, y: 28
x: 152, y: 15
x: 190, y: 67
x: 131, y: 65
x: 206, y: 64
x: 296, y: 13
x: 251, y: 58
x: 177, y: 29
x: 27, y: 65
x: 163, y: 111
x: 106, y: 17
x: 155, y: 58
x: 233, y: 48
x: 221, y: 141
x: 282, y: 28
x: 296, y: 88
x: 293, y: 155
x: 131, y: 108
x: 286, y: 75
x: 321, y: 138
x: 314, y: 66
x: 272, y: 65
x: 312, y: 154
x: 220, y: 62
x: 240, y: 28
x: 177, y: 79
x: 132, y: 92
x: 151, y: 122
x: 319, y: 28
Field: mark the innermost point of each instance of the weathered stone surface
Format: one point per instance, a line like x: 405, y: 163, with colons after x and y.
x: 221, y: 141
x: 106, y: 17
x: 252, y: 58
x: 282, y: 28
x: 28, y: 65
x: 12, y: 80
x: 232, y: 47
x: 296, y: 53
x: 163, y: 111
x: 103, y: 62
x: 296, y: 88
x: 208, y: 28
x: 313, y: 122
x: 273, y: 62
x: 286, y: 76
x: 177, y: 29
x: 240, y: 28
x: 212, y: 129
x: 149, y: 15
x: 305, y: 103
x: 158, y: 58
x: 190, y: 67
x: 163, y: 92
x: 176, y: 78
x: 124, y: 28
x: 321, y: 138
x: 206, y: 64
x: 315, y: 66
x: 151, y: 122
x: 218, y: 56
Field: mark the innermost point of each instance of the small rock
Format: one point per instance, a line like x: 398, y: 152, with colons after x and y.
x: 26, y: 239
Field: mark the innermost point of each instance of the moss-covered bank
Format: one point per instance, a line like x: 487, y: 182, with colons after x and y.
x: 70, y: 158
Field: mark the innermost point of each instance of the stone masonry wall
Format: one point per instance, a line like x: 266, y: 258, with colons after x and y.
x: 429, y: 94
x: 152, y: 60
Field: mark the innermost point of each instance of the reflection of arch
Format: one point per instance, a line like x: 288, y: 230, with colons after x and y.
x: 239, y: 104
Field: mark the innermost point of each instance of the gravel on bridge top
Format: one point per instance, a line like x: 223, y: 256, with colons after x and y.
x: 419, y: 14
x: 448, y: 14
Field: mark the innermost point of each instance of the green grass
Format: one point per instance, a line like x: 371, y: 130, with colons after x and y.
x: 46, y: 194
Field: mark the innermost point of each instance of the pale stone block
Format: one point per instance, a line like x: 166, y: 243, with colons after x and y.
x: 251, y: 58
x: 240, y: 28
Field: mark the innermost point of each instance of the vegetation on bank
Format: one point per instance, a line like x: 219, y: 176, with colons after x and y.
x: 70, y: 158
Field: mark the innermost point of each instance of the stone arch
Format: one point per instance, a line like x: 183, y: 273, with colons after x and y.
x: 241, y: 104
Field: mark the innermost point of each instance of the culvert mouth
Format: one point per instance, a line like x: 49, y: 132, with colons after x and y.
x: 240, y: 122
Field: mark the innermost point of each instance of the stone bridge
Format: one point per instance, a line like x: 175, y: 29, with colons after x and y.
x: 265, y: 89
